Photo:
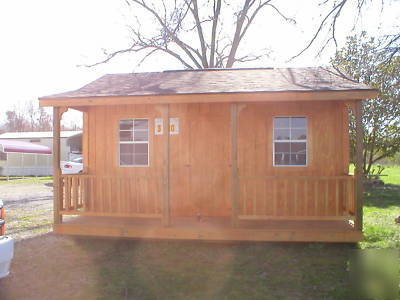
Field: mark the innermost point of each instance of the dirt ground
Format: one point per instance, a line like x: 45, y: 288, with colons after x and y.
x: 29, y: 207
x: 43, y: 263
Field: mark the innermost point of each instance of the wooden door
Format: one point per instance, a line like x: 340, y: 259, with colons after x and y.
x: 200, y: 161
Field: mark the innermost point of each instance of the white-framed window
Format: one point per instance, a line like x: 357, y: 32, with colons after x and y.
x: 290, y: 141
x: 134, y: 142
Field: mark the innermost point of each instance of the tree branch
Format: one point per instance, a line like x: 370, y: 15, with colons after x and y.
x: 236, y: 38
x: 217, y: 10
x: 173, y: 36
x: 195, y: 13
x: 316, y: 34
x: 253, y: 15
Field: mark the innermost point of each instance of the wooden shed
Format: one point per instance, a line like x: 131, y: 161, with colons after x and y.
x: 228, y: 154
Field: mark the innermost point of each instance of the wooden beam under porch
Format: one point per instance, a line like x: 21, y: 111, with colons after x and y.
x: 211, y: 229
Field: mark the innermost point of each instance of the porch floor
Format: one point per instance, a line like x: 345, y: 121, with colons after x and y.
x: 210, y: 228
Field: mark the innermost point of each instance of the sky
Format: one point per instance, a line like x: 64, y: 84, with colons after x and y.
x: 44, y: 43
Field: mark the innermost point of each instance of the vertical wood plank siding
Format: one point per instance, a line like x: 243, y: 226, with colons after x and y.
x: 202, y: 165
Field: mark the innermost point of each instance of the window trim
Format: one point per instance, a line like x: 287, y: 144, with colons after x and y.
x: 138, y: 142
x: 290, y: 141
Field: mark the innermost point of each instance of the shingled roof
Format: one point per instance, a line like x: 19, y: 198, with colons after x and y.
x: 216, y: 81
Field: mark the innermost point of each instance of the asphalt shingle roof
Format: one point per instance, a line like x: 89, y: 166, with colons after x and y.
x: 216, y: 81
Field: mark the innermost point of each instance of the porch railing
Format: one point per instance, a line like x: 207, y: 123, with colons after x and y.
x: 297, y: 198
x: 91, y: 195
x: 261, y: 198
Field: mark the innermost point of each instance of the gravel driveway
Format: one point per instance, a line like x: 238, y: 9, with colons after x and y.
x: 28, y: 205
x: 45, y: 266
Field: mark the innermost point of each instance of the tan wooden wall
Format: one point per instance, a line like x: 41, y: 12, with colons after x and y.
x: 327, y: 138
x: 200, y: 153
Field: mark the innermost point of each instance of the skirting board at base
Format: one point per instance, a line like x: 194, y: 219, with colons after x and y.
x: 233, y: 234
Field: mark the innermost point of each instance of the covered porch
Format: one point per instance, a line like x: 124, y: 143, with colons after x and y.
x: 323, y: 210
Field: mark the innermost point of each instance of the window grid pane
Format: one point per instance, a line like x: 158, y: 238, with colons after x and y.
x: 290, y: 141
x: 134, y: 142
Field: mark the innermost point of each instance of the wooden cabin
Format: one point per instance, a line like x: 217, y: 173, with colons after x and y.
x: 228, y: 154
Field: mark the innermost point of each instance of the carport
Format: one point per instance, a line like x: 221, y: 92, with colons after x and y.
x: 23, y: 148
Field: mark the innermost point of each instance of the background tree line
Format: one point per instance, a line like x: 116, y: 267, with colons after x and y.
x: 27, y: 117
x: 366, y: 60
x: 30, y: 117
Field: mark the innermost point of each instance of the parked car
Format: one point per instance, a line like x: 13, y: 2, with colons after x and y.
x: 74, y: 166
x: 6, y: 246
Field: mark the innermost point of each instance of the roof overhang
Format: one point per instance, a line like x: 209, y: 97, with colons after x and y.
x: 280, y: 96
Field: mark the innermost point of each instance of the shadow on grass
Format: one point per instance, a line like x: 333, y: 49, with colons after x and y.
x: 88, y: 268
x: 200, y: 270
x: 382, y: 196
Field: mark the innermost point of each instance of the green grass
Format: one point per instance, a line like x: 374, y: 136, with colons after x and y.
x: 381, y: 207
x: 393, y: 173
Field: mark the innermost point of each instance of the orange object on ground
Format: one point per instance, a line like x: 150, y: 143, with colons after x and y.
x: 2, y: 217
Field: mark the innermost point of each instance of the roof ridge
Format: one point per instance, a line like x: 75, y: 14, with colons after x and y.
x: 219, y: 69
x: 212, y: 69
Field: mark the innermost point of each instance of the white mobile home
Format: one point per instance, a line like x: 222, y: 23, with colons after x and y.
x: 22, y: 164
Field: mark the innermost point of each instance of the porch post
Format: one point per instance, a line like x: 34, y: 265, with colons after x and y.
x: 85, y: 142
x: 57, y: 189
x: 234, y: 165
x: 359, y: 172
x: 166, y: 213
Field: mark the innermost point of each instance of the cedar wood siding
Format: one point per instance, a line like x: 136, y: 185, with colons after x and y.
x: 200, y: 155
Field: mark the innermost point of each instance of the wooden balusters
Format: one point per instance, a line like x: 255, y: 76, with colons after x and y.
x: 92, y: 195
x: 67, y: 193
x: 275, y: 197
x: 303, y: 197
x: 337, y: 197
x: 109, y: 196
x: 296, y: 205
x: 316, y: 197
x: 259, y: 198
x: 326, y: 197
x: 306, y: 194
x: 75, y: 190
x: 347, y: 197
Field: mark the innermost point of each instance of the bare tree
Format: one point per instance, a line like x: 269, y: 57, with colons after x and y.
x: 177, y: 22
x: 71, y: 125
x: 31, y: 112
x: 44, y: 120
x: 330, y: 20
x: 15, y: 121
x: 27, y: 117
x: 209, y: 34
